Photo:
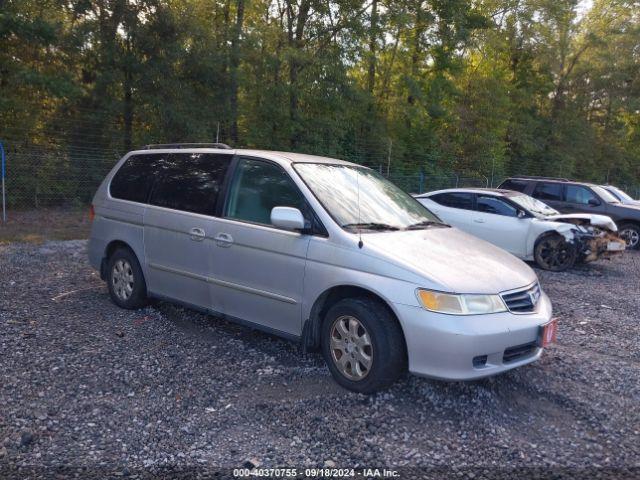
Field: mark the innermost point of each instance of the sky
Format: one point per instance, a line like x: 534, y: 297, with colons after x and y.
x: 583, y: 7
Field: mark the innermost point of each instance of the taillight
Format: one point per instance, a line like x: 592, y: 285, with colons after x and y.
x: 92, y: 213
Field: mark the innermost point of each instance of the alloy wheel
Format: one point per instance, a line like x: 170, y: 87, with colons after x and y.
x: 631, y: 236
x: 555, y: 254
x: 351, y: 348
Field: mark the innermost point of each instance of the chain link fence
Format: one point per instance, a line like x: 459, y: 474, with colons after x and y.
x: 38, y: 177
x: 421, y: 183
x: 42, y: 177
x: 632, y: 190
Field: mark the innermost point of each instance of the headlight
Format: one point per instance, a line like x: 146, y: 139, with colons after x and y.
x: 460, y: 304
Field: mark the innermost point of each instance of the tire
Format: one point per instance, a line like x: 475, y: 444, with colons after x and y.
x: 127, y: 287
x: 552, y: 252
x: 630, y: 232
x: 385, y: 347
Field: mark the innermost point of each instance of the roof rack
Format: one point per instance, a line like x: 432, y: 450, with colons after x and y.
x: 158, y: 146
x: 534, y: 177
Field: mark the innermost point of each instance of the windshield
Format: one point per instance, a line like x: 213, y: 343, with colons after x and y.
x: 604, y: 195
x: 359, y: 198
x: 534, y: 206
x: 620, y: 194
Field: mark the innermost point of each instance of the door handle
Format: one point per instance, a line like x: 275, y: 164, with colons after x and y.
x: 478, y: 220
x: 196, y: 234
x: 223, y: 240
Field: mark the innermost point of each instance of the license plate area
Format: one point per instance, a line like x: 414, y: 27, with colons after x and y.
x: 616, y: 246
x: 548, y: 333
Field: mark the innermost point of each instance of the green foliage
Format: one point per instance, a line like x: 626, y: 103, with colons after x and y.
x: 486, y: 88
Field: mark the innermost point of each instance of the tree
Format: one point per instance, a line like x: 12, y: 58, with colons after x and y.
x: 479, y: 89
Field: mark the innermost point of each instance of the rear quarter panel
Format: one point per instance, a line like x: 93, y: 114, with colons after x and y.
x: 115, y: 220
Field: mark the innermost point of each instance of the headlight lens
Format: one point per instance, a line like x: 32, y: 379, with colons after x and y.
x: 460, y: 304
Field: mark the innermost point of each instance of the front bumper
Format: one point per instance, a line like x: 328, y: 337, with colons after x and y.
x: 592, y: 247
x: 451, y: 347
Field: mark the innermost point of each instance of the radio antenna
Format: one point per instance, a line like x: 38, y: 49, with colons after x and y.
x: 360, y: 244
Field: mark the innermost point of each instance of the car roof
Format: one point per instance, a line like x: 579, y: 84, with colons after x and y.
x: 498, y: 192
x: 281, y: 157
x: 550, y: 180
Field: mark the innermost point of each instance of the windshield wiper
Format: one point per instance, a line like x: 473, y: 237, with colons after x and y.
x: 426, y: 223
x: 370, y: 226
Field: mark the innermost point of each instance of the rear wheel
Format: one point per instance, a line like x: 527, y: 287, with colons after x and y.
x: 363, y: 345
x: 630, y: 233
x: 127, y: 287
x: 553, y: 252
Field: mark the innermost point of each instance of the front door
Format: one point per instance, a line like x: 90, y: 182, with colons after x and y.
x: 497, y: 222
x: 260, y: 275
x: 179, y: 228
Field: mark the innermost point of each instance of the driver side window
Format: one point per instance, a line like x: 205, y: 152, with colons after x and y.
x: 257, y: 187
x: 497, y: 206
x: 580, y: 195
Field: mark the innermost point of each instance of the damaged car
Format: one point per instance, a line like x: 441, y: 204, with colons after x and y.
x: 526, y: 227
x: 568, y: 196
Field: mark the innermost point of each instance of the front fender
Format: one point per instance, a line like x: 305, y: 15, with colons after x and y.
x: 542, y: 227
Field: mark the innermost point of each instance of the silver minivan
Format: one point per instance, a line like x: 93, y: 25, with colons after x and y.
x: 322, y: 251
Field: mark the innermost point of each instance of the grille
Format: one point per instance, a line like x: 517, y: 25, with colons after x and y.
x: 512, y: 354
x: 523, y: 301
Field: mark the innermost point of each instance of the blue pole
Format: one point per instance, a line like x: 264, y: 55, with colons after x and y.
x: 4, y: 201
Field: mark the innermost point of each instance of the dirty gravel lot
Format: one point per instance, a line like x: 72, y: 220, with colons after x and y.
x: 87, y: 387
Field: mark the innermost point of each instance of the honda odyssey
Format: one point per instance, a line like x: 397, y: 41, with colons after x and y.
x: 322, y: 251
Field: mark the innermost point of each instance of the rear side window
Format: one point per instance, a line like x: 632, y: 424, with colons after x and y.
x: 517, y: 185
x: 454, y: 200
x: 548, y: 191
x: 259, y: 186
x: 190, y: 182
x: 134, y: 179
x: 497, y: 206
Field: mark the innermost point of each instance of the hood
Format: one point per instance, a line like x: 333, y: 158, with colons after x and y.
x: 595, y: 220
x: 457, y: 261
x: 631, y: 206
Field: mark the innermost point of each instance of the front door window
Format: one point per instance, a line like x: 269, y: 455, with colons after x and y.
x: 257, y: 188
x: 580, y: 195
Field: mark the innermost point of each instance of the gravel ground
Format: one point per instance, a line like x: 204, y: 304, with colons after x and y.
x: 91, y: 390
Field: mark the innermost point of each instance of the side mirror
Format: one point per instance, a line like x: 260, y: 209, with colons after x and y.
x: 287, y: 218
x: 522, y: 214
x: 593, y: 202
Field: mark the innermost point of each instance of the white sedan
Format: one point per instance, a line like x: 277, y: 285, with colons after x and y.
x: 526, y: 227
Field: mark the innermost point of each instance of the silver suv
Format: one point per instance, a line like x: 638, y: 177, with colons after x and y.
x: 318, y: 250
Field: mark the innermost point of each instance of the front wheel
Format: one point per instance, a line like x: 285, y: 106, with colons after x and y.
x: 630, y: 233
x: 363, y: 345
x: 553, y: 252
